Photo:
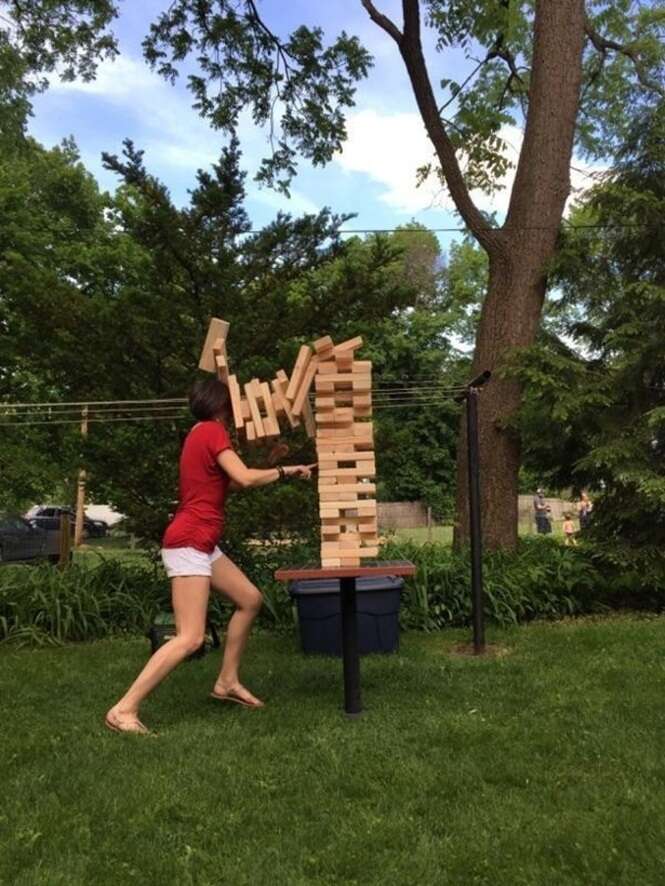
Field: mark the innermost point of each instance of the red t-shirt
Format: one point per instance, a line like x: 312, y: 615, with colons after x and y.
x: 199, y: 521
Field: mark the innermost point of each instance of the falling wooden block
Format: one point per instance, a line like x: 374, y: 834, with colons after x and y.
x: 302, y: 362
x: 217, y: 329
x: 281, y: 404
x: 305, y: 384
x: 252, y: 391
x: 270, y: 423
x: 236, y: 404
x: 308, y: 418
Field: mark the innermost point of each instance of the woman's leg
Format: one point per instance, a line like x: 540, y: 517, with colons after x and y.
x: 227, y: 579
x: 189, y: 596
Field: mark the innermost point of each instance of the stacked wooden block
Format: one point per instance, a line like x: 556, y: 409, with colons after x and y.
x: 345, y: 453
x: 341, y: 423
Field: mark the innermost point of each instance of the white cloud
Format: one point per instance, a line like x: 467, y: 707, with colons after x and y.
x: 117, y: 80
x: 172, y: 134
x: 389, y: 148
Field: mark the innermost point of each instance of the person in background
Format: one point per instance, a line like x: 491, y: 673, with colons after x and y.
x: 569, y: 530
x: 542, y: 513
x: 584, y: 508
x: 209, y: 470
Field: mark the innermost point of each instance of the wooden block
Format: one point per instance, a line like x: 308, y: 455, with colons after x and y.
x: 330, y: 531
x: 330, y: 563
x: 308, y: 418
x: 217, y: 329
x: 326, y: 488
x: 368, y: 469
x: 349, y: 540
x: 279, y: 386
x: 362, y: 411
x: 363, y: 430
x: 334, y: 416
x: 361, y: 400
x: 270, y: 423
x: 362, y: 367
x: 338, y: 495
x: 250, y: 431
x: 321, y: 386
x: 349, y: 561
x: 324, y: 402
x: 236, y: 406
x: 344, y: 362
x: 306, y: 383
x: 327, y: 368
x: 221, y: 362
x: 362, y: 384
x: 324, y: 347
x: 252, y: 391
x: 302, y: 362
x: 342, y: 455
x: 351, y: 344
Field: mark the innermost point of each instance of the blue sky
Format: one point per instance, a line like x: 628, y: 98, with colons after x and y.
x: 373, y: 177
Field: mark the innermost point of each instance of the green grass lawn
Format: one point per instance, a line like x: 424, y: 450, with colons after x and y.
x: 543, y: 766
x: 444, y: 534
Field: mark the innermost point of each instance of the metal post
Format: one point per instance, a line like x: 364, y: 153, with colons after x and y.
x: 351, y: 657
x: 477, y: 602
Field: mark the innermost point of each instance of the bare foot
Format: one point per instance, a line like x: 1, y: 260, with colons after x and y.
x: 236, y: 692
x: 125, y: 721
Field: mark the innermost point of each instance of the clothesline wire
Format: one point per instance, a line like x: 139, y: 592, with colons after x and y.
x: 465, y: 230
x: 174, y: 413
x: 103, y: 406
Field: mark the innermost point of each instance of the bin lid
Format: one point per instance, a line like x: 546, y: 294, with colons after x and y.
x: 304, y: 587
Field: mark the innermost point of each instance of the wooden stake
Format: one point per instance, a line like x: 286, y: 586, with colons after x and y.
x: 80, y: 489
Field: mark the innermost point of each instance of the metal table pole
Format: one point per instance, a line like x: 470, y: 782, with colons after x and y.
x: 351, y: 657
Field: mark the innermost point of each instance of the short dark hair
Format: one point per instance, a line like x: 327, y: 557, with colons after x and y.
x: 209, y: 399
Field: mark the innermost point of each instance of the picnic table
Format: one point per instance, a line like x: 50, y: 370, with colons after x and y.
x: 347, y: 576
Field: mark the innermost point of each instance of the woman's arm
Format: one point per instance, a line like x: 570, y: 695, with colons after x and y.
x: 243, y: 477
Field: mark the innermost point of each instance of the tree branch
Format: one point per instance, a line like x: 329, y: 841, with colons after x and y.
x: 412, y: 53
x: 383, y: 21
x: 603, y: 45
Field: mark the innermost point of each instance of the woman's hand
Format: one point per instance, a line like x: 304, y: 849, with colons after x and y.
x: 304, y: 472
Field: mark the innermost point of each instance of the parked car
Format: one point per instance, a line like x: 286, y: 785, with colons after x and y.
x: 48, y: 517
x: 20, y: 541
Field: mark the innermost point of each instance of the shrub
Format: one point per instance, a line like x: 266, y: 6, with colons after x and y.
x: 542, y: 579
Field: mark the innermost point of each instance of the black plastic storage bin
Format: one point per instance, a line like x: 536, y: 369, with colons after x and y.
x: 320, y: 619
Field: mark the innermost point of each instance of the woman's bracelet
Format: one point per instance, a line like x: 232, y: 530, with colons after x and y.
x: 281, y: 472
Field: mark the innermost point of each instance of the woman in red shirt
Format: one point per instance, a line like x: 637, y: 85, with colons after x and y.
x: 209, y: 469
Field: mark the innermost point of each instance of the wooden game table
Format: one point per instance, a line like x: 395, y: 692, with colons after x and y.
x: 347, y: 576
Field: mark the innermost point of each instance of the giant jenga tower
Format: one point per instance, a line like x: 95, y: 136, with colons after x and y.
x: 345, y: 453
x: 341, y: 424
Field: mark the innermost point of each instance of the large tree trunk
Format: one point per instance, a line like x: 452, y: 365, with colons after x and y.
x: 520, y: 251
x: 511, y: 314
x: 509, y: 319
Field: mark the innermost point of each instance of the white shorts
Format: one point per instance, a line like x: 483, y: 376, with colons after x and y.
x: 188, y: 561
